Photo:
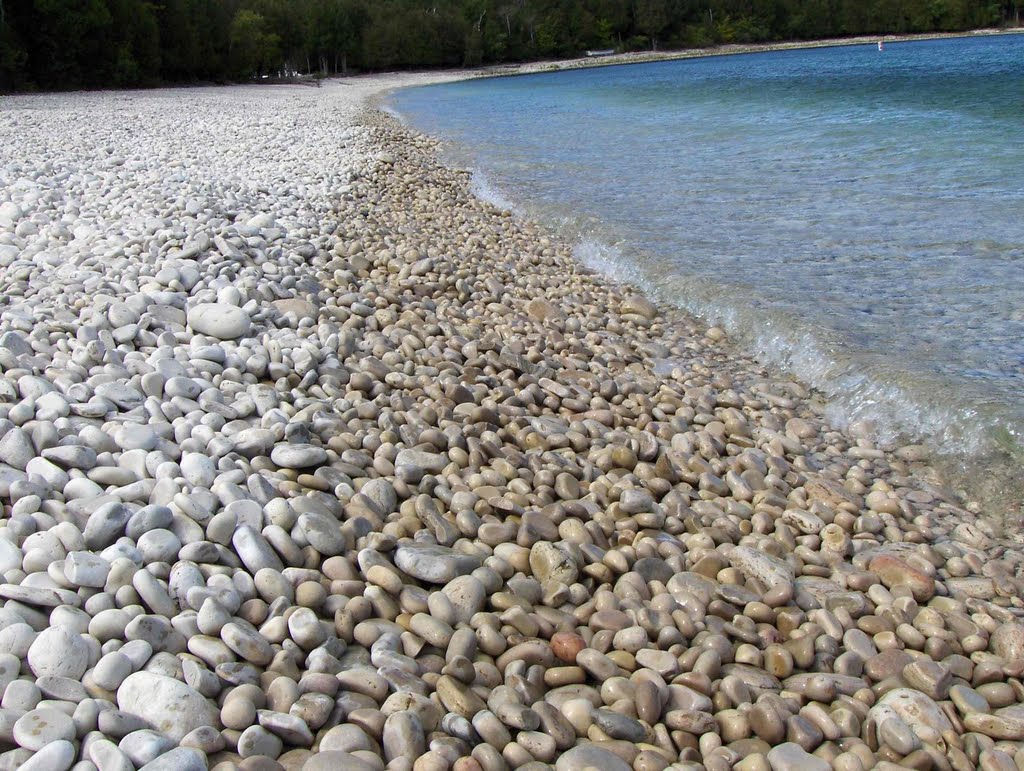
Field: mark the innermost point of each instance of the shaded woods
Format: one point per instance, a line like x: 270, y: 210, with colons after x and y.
x: 65, y: 44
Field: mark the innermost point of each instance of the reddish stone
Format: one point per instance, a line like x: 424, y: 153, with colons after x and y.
x: 565, y: 646
x: 1007, y: 642
x: 892, y: 571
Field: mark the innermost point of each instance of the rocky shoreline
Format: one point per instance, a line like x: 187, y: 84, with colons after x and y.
x: 312, y: 460
x: 730, y: 49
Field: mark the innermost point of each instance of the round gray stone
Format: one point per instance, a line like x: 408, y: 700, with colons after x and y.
x: 587, y: 756
x: 40, y: 727
x: 433, y: 564
x: 169, y: 705
x: 220, y: 320
x: 59, y: 652
x: 298, y: 455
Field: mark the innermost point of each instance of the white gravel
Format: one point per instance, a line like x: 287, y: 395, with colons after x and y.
x: 154, y: 264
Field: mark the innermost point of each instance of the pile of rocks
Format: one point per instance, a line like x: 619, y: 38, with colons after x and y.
x: 310, y: 459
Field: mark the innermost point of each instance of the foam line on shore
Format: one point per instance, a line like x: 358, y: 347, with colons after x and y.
x: 972, y: 439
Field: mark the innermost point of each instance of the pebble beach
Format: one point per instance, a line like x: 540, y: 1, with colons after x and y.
x: 310, y: 459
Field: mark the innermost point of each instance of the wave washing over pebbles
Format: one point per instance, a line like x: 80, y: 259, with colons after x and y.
x: 311, y: 459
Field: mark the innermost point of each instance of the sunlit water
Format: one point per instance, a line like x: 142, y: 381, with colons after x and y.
x: 854, y: 216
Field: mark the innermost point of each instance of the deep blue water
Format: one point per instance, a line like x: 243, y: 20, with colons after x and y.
x: 852, y: 215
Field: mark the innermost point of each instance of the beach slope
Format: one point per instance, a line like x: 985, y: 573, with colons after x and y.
x: 311, y: 459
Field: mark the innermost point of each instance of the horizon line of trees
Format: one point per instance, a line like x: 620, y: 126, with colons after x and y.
x: 71, y: 44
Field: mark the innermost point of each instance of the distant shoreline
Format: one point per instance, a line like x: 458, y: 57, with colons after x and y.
x: 643, y: 57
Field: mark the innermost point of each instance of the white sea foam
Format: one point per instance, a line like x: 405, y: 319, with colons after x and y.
x: 605, y: 259
x: 896, y: 406
x: 485, y: 190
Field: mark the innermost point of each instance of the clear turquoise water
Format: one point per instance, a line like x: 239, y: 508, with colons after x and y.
x: 854, y: 216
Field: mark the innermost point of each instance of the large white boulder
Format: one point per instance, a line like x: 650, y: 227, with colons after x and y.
x: 220, y: 320
x: 169, y: 705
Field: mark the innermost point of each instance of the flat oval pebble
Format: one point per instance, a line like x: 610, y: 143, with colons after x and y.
x: 331, y: 760
x: 225, y: 322
x: 144, y: 746
x: 585, y: 757
x: 40, y: 727
x: 458, y: 698
x: 178, y: 759
x: 433, y: 564
x: 298, y: 455
x: 55, y: 756
x: 792, y: 757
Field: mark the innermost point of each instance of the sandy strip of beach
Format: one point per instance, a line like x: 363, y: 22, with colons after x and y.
x: 309, y: 459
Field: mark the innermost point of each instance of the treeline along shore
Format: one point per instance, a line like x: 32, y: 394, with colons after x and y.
x: 310, y: 459
x: 70, y: 44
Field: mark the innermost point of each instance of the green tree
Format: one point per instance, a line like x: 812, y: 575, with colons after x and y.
x: 13, y: 56
x: 292, y: 22
x: 474, y: 15
x: 253, y: 49
x: 651, y: 18
x: 135, y: 39
x: 337, y: 26
x: 95, y: 43
x: 67, y: 43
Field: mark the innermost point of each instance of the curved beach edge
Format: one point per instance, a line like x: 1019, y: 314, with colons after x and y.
x: 312, y: 459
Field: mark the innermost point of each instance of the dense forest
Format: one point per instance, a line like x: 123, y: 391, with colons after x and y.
x: 64, y: 44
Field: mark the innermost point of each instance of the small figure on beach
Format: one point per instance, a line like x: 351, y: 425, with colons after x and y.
x: 881, y: 45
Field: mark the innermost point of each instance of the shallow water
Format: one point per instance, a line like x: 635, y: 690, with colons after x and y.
x: 853, y: 216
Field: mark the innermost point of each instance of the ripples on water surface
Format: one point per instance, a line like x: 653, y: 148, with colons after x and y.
x: 855, y: 216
